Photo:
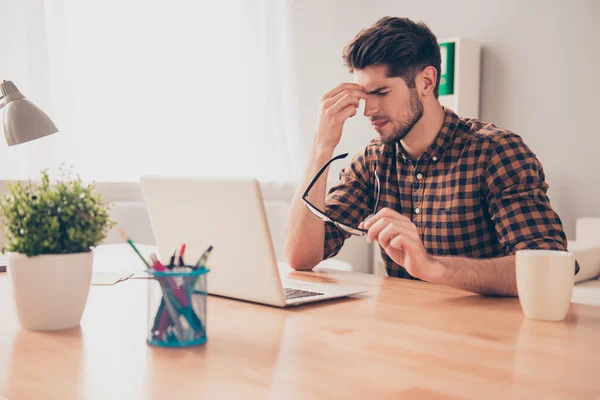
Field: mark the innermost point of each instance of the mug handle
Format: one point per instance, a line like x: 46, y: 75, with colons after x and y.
x: 576, y: 267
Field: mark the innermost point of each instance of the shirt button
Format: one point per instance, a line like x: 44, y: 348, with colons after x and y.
x: 417, y: 210
x: 419, y: 176
x: 434, y: 158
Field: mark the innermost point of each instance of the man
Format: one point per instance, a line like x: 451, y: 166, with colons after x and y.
x: 448, y: 199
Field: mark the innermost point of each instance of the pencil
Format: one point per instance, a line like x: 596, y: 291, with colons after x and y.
x: 128, y: 240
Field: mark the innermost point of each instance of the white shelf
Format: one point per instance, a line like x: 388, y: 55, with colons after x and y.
x: 467, y: 70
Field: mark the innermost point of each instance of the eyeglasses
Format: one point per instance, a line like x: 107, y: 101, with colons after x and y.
x: 343, y: 226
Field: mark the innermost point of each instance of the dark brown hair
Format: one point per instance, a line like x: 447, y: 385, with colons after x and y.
x: 404, y: 46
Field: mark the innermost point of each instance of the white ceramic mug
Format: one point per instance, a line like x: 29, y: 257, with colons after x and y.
x: 545, y: 280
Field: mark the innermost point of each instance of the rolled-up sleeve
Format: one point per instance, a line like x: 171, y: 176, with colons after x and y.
x: 349, y: 201
x: 517, y: 199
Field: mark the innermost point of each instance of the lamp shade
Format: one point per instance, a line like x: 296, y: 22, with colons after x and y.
x: 23, y: 120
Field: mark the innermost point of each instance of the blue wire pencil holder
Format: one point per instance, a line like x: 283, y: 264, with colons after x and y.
x: 177, y: 307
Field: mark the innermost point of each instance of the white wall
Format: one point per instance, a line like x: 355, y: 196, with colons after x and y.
x: 539, y: 77
x: 23, y: 23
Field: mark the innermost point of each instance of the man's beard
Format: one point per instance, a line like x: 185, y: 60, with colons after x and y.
x: 415, y: 112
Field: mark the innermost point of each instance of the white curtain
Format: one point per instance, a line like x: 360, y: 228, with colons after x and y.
x: 155, y: 87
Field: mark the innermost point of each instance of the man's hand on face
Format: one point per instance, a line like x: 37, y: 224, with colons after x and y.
x: 400, y: 239
x: 337, y: 105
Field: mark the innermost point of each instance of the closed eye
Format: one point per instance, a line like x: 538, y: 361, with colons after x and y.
x: 381, y: 93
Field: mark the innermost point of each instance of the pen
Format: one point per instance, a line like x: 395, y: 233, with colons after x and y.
x: 128, y: 240
x: 170, y: 284
x: 204, y: 257
x: 181, y: 252
x: 172, y: 261
x: 174, y: 303
x: 174, y: 314
x: 162, y: 318
x: 156, y: 264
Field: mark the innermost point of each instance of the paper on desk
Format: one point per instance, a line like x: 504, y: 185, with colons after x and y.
x: 109, y: 277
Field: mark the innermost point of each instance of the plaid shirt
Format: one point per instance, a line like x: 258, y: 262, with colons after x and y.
x: 478, y: 191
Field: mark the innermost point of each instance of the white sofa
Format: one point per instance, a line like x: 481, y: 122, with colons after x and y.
x: 586, y: 248
x: 129, y: 211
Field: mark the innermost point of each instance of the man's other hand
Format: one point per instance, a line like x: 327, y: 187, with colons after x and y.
x: 400, y: 240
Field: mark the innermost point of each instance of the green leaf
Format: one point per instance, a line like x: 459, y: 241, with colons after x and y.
x: 53, y: 218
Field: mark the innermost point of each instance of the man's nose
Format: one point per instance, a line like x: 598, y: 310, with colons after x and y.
x: 371, y: 107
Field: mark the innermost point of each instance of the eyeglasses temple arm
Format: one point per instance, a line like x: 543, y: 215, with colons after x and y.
x: 378, y: 193
x: 323, y: 168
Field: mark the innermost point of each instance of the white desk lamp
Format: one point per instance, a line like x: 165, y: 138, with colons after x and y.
x: 23, y: 120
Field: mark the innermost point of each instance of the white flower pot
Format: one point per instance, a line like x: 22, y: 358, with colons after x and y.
x: 50, y: 290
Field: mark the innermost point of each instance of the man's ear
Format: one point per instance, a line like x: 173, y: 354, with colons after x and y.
x: 428, y: 78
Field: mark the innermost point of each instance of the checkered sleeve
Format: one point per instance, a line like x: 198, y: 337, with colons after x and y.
x: 349, y: 200
x: 517, y: 198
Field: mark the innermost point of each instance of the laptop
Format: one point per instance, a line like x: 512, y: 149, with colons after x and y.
x: 229, y: 214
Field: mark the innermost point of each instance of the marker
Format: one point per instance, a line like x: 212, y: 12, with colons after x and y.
x: 204, y: 257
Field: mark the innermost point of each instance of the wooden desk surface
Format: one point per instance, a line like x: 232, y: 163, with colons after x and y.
x: 403, y: 339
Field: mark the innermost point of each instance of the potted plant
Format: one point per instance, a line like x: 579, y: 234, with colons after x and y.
x: 49, y: 233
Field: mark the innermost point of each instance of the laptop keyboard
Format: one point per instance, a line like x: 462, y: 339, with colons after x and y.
x: 297, y: 293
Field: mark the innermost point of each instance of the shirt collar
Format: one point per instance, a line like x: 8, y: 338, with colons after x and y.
x: 442, y: 140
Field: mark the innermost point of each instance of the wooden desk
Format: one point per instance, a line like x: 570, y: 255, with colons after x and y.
x: 402, y: 340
